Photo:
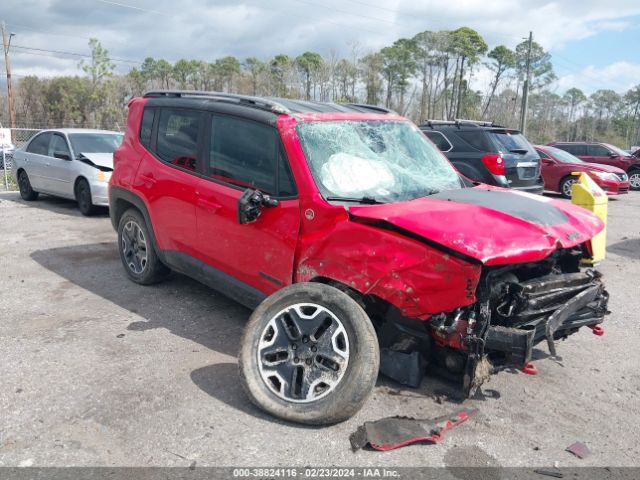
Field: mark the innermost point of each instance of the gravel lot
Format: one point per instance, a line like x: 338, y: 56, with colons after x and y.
x: 99, y: 371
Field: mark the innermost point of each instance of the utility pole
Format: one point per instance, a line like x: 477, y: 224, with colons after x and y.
x: 6, y: 43
x: 525, y: 89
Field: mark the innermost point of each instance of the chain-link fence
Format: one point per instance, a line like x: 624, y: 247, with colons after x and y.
x: 11, y: 139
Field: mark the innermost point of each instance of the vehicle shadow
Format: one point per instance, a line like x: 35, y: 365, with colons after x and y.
x: 194, y: 312
x: 220, y: 381
x: 54, y: 204
x: 182, y: 306
x: 628, y: 247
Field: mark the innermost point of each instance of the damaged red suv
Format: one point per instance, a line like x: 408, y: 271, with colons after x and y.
x: 357, y: 243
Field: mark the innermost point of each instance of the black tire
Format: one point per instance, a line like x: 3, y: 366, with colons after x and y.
x: 134, y: 242
x: 26, y: 192
x: 83, y: 197
x: 351, y: 384
x: 634, y: 179
x: 565, y: 185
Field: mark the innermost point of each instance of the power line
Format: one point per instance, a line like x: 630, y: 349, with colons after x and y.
x: 75, y: 54
x: 48, y: 32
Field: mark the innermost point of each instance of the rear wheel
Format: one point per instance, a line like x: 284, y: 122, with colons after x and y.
x: 83, y: 196
x: 309, y: 354
x: 138, y: 256
x: 566, y: 184
x: 26, y: 192
x: 634, y: 179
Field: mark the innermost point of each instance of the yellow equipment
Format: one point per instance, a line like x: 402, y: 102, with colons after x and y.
x: 587, y: 194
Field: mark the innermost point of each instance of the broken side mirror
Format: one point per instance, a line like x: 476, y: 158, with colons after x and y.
x: 251, y: 203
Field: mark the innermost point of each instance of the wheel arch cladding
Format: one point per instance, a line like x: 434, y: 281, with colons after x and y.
x: 418, y: 279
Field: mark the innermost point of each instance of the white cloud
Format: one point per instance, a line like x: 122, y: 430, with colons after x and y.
x: 207, y: 30
x: 618, y: 76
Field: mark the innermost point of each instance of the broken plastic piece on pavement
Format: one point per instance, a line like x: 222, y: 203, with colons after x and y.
x: 530, y: 369
x: 579, y: 449
x: 395, y: 432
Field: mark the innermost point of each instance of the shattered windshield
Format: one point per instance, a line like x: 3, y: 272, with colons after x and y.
x: 378, y: 161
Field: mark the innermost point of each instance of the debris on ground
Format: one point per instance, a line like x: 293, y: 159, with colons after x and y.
x: 579, y: 449
x: 404, y: 368
x: 395, y: 432
x: 549, y: 472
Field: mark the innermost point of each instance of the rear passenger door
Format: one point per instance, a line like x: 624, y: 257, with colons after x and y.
x: 167, y: 175
x: 245, y: 154
x: 35, y: 158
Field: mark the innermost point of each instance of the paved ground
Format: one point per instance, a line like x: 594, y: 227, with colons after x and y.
x: 96, y: 370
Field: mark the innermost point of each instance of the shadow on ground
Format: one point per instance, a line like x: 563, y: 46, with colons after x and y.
x: 183, y: 306
x: 192, y: 311
x: 628, y: 247
x: 55, y: 204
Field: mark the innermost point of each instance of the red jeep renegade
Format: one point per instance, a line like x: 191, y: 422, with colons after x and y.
x: 357, y: 243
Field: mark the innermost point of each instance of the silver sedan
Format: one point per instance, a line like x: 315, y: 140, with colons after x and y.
x: 68, y: 162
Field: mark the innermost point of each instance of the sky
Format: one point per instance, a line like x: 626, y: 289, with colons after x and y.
x: 594, y: 44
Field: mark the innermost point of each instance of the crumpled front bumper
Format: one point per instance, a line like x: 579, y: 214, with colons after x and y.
x: 546, y: 308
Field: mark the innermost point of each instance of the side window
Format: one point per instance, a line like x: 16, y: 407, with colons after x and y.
x: 598, y: 151
x: 178, y: 137
x: 145, y: 127
x: 40, y: 144
x: 541, y: 154
x: 440, y: 141
x: 249, y: 154
x: 577, y: 150
x: 58, y: 145
x: 476, y: 138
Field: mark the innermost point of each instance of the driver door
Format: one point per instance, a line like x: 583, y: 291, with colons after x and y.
x: 244, y: 154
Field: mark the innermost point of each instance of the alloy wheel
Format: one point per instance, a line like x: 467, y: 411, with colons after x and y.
x: 134, y: 247
x: 634, y: 180
x: 566, y: 188
x: 303, y: 353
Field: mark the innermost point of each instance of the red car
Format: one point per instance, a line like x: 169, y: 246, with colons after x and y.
x: 558, y: 166
x: 605, y: 154
x: 357, y: 243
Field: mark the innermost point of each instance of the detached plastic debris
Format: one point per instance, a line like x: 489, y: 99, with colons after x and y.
x: 579, y: 449
x: 395, y: 432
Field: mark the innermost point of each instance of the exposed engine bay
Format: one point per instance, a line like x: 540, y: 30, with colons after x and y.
x: 518, y: 306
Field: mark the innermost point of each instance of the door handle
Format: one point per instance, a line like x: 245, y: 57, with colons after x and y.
x: 208, y: 204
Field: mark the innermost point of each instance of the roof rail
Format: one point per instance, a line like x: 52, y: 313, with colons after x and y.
x: 247, y: 100
x: 462, y: 121
x: 373, y: 108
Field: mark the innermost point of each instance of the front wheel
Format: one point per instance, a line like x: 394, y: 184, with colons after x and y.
x: 309, y: 354
x: 634, y: 179
x: 565, y: 186
x: 83, y: 196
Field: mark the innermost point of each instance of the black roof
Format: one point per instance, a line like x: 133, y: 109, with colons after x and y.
x: 271, y: 104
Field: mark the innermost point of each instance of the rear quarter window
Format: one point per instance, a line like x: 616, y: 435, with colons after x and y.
x: 477, y: 139
x: 439, y: 140
x: 146, y: 127
x: 508, y: 141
